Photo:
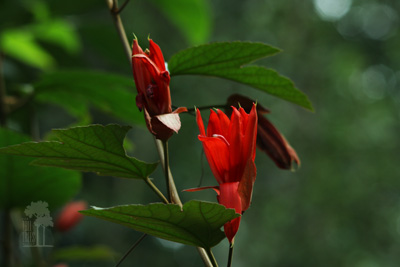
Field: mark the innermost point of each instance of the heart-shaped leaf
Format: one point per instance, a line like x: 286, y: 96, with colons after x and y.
x: 21, y: 183
x: 197, y: 224
x: 93, y: 148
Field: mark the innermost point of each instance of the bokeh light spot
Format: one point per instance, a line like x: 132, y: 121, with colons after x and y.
x: 332, y: 10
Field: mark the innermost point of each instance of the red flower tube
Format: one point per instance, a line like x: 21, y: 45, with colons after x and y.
x: 269, y: 139
x: 152, y: 84
x: 230, y: 148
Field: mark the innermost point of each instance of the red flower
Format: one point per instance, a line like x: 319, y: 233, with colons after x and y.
x: 152, y: 84
x: 70, y: 215
x: 230, y: 146
x: 269, y: 139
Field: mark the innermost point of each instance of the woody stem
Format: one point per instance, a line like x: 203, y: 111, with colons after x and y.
x: 113, y: 6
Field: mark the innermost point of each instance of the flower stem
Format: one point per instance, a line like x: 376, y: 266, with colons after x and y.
x: 211, y: 257
x: 156, y: 190
x: 173, y: 195
x: 230, y: 255
x: 166, y: 169
x: 113, y: 7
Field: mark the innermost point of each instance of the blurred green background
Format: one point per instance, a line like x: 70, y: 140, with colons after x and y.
x: 340, y: 208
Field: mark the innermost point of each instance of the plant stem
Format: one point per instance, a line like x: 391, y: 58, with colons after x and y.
x: 113, y: 7
x: 166, y: 170
x: 131, y: 249
x: 230, y: 255
x: 156, y: 190
x: 173, y: 195
x: 211, y: 257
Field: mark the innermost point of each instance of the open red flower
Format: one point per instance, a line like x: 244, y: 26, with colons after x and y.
x: 152, y: 84
x: 229, y: 146
x: 269, y: 139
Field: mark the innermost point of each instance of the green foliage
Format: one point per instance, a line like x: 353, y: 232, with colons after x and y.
x: 197, y: 224
x: 21, y: 44
x: 58, y: 32
x: 226, y: 60
x: 20, y: 183
x: 93, y: 148
x: 76, y: 90
x: 191, y: 17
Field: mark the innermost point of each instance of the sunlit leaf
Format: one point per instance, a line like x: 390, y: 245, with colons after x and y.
x: 93, y: 148
x: 75, y: 90
x: 59, y: 32
x: 227, y: 60
x: 21, y: 183
x: 21, y: 44
x: 191, y: 17
x: 197, y: 224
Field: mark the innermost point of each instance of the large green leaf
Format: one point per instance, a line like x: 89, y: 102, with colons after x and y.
x: 197, y: 224
x: 76, y: 89
x: 21, y: 183
x: 191, y: 17
x: 227, y: 60
x: 93, y: 148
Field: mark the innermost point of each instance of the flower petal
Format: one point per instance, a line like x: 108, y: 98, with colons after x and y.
x: 200, y: 123
x: 214, y: 127
x: 156, y: 55
x: 217, y: 154
x: 170, y: 120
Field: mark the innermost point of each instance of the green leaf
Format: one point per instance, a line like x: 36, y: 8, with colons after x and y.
x: 59, y: 32
x: 75, y: 90
x: 21, y: 44
x: 192, y: 18
x: 227, y: 60
x: 197, y: 224
x: 93, y: 148
x: 84, y: 253
x: 21, y: 183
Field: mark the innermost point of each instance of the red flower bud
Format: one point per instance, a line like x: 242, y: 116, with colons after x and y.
x: 152, y: 84
x: 69, y: 216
